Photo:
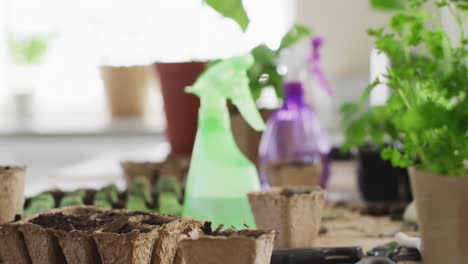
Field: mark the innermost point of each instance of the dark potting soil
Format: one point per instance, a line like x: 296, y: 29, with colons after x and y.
x: 289, y: 192
x: 108, y: 221
x: 87, y: 222
x: 208, y: 230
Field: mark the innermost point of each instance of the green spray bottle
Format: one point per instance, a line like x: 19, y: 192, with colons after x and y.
x: 220, y: 176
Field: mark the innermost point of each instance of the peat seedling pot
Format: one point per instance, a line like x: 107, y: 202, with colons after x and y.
x: 85, y: 234
x: 11, y: 192
x: 12, y: 246
x: 227, y: 247
x: 295, y: 212
x: 442, y: 203
x: 126, y: 89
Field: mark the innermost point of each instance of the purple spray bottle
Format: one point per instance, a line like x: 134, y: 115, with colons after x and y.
x: 294, y: 148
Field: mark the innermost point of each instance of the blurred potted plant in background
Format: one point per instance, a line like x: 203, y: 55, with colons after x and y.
x: 367, y: 131
x: 429, y: 81
x: 264, y: 74
x: 181, y: 108
x: 26, y: 55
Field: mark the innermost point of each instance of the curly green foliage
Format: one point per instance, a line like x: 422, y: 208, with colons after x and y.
x: 428, y: 78
x: 365, y: 126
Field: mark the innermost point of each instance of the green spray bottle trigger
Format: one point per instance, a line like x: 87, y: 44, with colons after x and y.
x: 220, y: 176
x: 228, y: 79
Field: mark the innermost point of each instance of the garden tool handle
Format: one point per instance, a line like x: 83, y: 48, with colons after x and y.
x: 317, y: 255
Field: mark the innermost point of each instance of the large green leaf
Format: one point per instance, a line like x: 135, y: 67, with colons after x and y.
x: 388, y: 4
x: 233, y: 9
x: 296, y: 33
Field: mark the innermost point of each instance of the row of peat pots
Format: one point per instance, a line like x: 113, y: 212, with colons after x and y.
x: 84, y: 234
x: 441, y: 204
x: 441, y: 207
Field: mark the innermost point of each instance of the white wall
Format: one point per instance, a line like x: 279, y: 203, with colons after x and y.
x: 344, y: 25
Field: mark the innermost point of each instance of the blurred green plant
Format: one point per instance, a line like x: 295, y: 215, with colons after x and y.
x: 428, y: 78
x: 233, y: 9
x: 263, y: 72
x: 27, y: 50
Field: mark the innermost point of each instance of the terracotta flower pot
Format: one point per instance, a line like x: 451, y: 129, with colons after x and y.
x: 181, y: 108
x: 11, y: 192
x: 227, y: 247
x: 442, y: 204
x: 295, y: 212
x: 126, y: 89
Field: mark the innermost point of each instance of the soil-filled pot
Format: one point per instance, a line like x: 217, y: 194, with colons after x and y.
x: 12, y: 246
x: 181, y: 108
x: 295, y: 212
x: 60, y: 236
x: 442, y: 204
x: 379, y: 181
x: 126, y: 89
x: 227, y: 247
x: 11, y: 192
x: 85, y: 234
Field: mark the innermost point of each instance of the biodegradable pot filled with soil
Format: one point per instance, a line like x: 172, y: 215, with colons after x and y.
x: 11, y: 192
x: 85, y: 234
x: 227, y: 247
x: 442, y: 203
x: 146, y: 238
x: 295, y: 212
x: 12, y: 246
x: 62, y: 235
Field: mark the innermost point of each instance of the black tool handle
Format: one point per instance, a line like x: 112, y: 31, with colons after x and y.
x: 317, y: 255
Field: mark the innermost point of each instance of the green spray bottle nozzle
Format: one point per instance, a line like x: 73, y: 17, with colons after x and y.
x: 228, y: 80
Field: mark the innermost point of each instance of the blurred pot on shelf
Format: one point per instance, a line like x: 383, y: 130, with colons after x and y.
x: 126, y: 89
x: 180, y: 107
x: 378, y: 180
x: 246, y: 137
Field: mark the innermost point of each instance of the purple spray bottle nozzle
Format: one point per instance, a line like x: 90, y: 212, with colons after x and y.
x: 314, y: 64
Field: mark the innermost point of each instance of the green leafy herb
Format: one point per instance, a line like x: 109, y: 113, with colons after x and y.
x: 388, y: 4
x: 233, y: 9
x: 29, y: 50
x: 429, y: 81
